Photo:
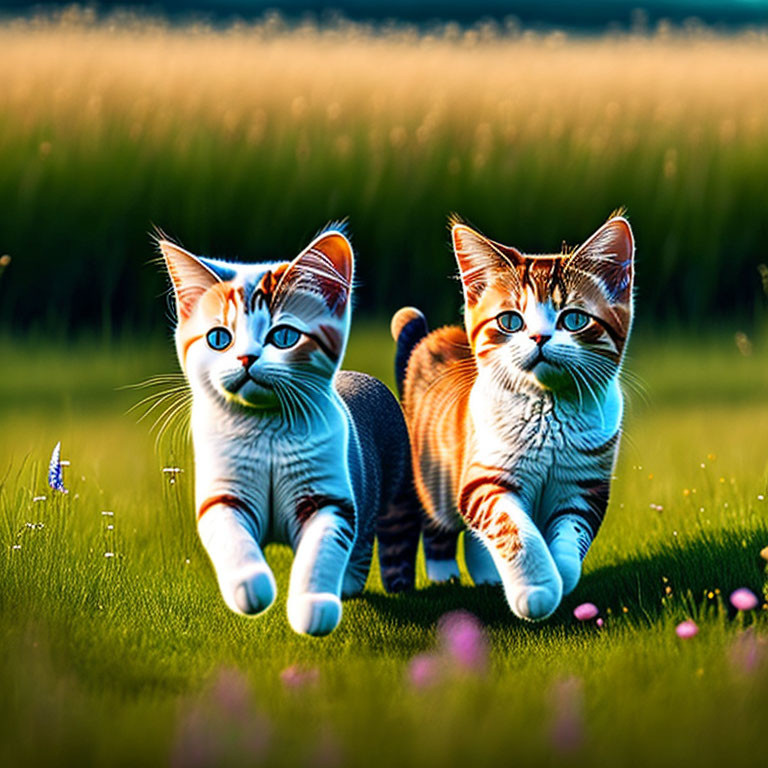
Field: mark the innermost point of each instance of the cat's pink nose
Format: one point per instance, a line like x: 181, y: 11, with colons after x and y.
x: 247, y: 360
x: 541, y: 338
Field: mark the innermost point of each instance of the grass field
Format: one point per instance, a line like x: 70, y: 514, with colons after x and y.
x: 133, y: 659
x: 115, y: 648
x: 245, y: 141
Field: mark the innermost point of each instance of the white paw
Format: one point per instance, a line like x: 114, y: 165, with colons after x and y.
x: 442, y: 570
x: 536, y: 603
x: 250, y: 592
x: 314, y: 614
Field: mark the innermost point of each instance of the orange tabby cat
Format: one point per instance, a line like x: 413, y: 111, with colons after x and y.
x: 515, y: 420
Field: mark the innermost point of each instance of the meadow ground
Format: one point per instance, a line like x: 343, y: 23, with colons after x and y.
x: 133, y: 659
x: 244, y: 141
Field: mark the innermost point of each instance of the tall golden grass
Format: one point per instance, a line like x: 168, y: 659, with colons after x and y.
x: 245, y: 140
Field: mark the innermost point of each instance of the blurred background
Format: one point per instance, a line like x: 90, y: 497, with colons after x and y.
x: 582, y: 14
x: 241, y: 131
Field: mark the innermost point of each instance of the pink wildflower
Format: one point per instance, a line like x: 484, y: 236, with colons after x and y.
x: 687, y: 629
x: 464, y: 640
x: 297, y: 676
x: 424, y: 670
x: 586, y: 611
x: 743, y: 599
x: 748, y: 652
x: 567, y: 727
x: 220, y: 725
x: 231, y: 692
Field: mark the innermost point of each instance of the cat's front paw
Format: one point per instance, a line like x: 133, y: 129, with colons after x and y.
x: 314, y: 614
x: 535, y: 603
x: 250, y: 593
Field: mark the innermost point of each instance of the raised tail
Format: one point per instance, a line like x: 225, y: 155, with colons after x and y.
x: 409, y: 327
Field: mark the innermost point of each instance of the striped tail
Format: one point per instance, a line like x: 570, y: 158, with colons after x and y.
x: 409, y: 327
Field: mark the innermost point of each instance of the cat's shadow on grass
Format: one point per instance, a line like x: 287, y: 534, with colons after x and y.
x: 682, y: 575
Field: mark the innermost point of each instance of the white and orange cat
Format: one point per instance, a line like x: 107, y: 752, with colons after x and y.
x: 287, y: 447
x: 515, y: 419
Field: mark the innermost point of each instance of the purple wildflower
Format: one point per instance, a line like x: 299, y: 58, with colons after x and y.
x: 55, y: 476
x: 464, y: 640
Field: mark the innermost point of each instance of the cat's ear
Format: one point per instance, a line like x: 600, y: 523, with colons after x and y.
x: 326, y: 266
x: 190, y: 277
x: 609, y: 254
x: 481, y: 261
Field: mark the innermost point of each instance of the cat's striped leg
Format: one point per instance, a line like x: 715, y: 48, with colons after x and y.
x: 440, y: 552
x: 397, y: 529
x: 532, y: 584
x: 569, y: 536
x: 571, y: 530
x: 323, y: 547
x: 230, y: 536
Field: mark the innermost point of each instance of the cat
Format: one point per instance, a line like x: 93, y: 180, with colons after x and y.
x: 515, y: 419
x: 287, y: 447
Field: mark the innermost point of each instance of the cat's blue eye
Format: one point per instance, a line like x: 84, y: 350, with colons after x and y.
x: 284, y: 337
x: 510, y: 322
x: 574, y: 320
x: 219, y: 338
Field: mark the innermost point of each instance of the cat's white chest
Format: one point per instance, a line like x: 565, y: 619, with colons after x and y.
x: 548, y: 449
x: 271, y: 468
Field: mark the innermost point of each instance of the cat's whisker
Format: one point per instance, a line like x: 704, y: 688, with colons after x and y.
x: 156, y: 399
x: 177, y: 403
x: 165, y: 378
x: 176, y: 419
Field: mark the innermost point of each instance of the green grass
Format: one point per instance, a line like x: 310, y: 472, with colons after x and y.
x: 135, y: 660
